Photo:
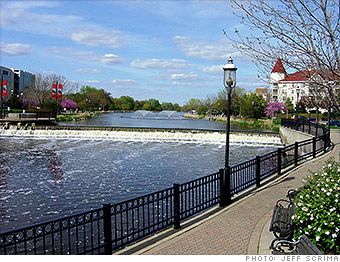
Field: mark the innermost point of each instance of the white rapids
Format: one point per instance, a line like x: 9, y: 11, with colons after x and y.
x: 248, y: 139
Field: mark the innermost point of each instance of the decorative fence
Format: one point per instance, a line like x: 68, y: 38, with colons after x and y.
x: 102, y: 230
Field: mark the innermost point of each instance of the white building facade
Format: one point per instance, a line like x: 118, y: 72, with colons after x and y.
x: 293, y: 86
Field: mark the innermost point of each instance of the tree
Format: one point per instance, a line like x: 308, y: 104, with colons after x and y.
x: 273, y: 108
x: 192, y: 104
x: 90, y: 98
x: 69, y: 104
x: 40, y: 94
x: 253, y: 105
x: 154, y: 105
x: 303, y: 33
x: 289, y: 105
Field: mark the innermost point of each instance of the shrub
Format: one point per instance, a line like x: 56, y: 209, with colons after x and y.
x: 317, y: 208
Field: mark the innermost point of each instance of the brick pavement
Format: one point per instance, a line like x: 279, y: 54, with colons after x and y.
x: 236, y: 229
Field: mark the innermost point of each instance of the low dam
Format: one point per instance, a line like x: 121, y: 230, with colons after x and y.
x: 148, y: 135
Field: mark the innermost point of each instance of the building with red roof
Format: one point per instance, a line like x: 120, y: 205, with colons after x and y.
x: 293, y: 86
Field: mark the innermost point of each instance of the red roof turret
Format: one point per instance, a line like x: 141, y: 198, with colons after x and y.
x: 278, y: 67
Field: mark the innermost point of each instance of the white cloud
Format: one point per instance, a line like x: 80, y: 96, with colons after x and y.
x: 97, y: 37
x: 32, y: 4
x: 215, y: 69
x: 84, y: 55
x: 220, y: 50
x: 123, y: 82
x: 88, y: 70
x: 110, y: 59
x: 159, y: 63
x: 92, y: 81
x: 181, y: 76
x: 15, y: 49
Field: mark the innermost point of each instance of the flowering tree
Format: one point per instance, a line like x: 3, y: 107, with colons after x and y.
x: 69, y: 104
x: 273, y: 108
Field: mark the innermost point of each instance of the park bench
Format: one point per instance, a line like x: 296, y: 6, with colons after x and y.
x: 27, y: 115
x: 303, y: 246
x: 282, y: 222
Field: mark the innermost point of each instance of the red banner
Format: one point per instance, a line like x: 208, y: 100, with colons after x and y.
x: 4, y: 88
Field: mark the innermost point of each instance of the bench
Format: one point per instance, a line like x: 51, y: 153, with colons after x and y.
x: 282, y: 223
x: 27, y: 115
x: 303, y: 246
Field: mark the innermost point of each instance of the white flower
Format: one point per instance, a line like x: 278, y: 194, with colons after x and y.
x: 317, y: 238
x: 307, y: 233
x: 319, y: 229
x: 309, y: 226
x: 327, y: 233
x: 334, y: 235
x: 337, y: 230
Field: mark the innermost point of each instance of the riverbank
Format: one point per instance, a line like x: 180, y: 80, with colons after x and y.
x: 148, y: 135
x: 242, y: 123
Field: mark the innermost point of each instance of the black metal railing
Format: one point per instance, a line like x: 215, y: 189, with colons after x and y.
x: 113, y: 226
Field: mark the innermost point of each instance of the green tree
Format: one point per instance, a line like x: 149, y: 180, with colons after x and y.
x: 154, y: 105
x: 126, y: 103
x: 90, y: 98
x: 289, y: 105
x: 253, y: 106
x: 192, y: 104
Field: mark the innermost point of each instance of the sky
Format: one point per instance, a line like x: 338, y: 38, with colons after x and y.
x: 168, y: 50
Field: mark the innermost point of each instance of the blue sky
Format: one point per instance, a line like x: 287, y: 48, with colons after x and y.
x: 168, y: 50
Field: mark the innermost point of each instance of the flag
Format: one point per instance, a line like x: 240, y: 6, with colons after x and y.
x: 54, y: 91
x: 4, y: 88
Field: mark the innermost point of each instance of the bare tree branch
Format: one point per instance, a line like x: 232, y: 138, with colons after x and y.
x: 304, y: 34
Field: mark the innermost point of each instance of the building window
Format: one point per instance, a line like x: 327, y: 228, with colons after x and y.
x: 5, y: 73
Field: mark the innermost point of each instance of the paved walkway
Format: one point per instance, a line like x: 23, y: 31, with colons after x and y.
x: 241, y: 228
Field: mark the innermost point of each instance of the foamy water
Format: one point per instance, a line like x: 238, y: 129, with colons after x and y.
x: 251, y: 139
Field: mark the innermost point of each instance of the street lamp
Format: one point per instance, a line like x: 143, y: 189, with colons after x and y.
x: 229, y: 83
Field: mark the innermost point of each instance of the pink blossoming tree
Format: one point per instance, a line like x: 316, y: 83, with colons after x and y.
x: 69, y: 104
x: 273, y: 108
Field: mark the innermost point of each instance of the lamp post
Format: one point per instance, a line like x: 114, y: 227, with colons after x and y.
x: 229, y: 83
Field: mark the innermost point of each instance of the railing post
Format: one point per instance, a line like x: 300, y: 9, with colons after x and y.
x: 314, y: 147
x: 279, y: 160
x: 258, y: 171
x: 316, y: 130
x: 303, y: 125
x: 107, y: 229
x: 177, y: 206
x: 296, y: 124
x: 325, y: 143
x: 296, y: 153
x: 309, y: 125
x: 223, y: 193
x: 228, y: 184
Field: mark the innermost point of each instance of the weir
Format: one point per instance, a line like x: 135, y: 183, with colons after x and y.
x: 198, y: 137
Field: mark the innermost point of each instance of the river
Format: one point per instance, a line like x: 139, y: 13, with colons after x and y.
x: 43, y: 178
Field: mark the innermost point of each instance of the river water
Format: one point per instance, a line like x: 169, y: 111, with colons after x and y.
x: 43, y: 179
x: 148, y: 120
